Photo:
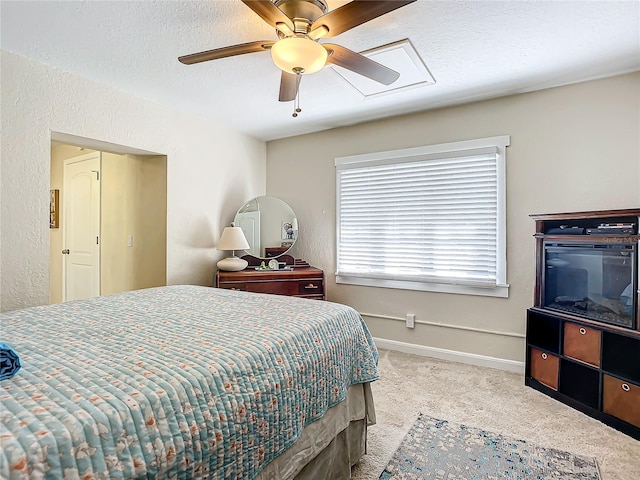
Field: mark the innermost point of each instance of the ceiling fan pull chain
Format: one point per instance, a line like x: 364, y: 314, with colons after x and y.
x: 296, y: 104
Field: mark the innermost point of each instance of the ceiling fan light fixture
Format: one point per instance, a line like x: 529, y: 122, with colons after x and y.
x: 298, y: 55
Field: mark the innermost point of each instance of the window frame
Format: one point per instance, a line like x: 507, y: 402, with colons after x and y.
x: 501, y: 289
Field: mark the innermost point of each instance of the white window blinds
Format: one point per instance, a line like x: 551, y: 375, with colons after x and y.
x: 432, y: 215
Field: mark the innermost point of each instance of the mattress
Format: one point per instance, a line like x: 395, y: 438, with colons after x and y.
x: 173, y: 382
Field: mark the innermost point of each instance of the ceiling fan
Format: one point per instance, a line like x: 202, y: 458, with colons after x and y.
x: 299, y: 25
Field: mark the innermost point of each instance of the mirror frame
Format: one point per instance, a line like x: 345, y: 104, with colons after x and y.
x: 248, y: 224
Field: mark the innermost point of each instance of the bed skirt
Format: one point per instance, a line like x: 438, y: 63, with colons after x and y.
x: 329, y: 447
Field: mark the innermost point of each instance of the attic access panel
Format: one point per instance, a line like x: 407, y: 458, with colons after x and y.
x: 399, y: 56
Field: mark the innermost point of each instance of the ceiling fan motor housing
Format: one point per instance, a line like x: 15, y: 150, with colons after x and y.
x: 302, y: 12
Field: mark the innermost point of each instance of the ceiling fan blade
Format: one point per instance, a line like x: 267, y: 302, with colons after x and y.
x: 269, y: 12
x: 345, y: 58
x: 225, y: 52
x: 353, y: 14
x: 289, y: 84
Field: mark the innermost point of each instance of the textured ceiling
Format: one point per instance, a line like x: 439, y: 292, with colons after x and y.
x: 473, y: 49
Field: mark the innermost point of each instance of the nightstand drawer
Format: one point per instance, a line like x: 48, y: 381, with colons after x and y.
x: 310, y: 287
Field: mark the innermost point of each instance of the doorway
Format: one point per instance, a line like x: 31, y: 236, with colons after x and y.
x: 133, y: 218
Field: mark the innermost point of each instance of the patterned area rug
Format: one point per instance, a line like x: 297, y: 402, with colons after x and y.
x: 442, y: 450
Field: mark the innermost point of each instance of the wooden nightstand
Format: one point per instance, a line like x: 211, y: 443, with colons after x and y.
x: 307, y: 282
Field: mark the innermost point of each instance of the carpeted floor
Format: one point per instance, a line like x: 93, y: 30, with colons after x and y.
x: 489, y: 399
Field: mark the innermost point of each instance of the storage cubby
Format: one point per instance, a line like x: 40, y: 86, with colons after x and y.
x: 621, y: 399
x: 582, y: 343
x: 621, y: 356
x: 543, y: 331
x: 580, y: 382
x: 544, y: 367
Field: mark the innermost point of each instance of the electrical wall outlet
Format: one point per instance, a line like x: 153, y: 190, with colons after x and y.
x: 130, y: 241
x: 411, y: 320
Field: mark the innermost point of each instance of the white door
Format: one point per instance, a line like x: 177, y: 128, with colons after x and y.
x: 81, y: 220
x: 249, y: 222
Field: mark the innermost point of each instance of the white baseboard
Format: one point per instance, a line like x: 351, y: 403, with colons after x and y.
x: 452, y: 355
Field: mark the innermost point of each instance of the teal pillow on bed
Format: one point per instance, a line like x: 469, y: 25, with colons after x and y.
x: 9, y: 362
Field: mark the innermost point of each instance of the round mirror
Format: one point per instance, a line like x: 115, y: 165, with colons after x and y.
x: 270, y: 225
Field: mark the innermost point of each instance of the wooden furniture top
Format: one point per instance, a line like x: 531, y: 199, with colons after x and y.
x: 630, y: 212
x: 298, y: 273
x: 585, y: 220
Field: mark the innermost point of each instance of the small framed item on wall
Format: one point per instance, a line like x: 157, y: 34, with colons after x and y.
x: 287, y: 230
x: 54, y: 209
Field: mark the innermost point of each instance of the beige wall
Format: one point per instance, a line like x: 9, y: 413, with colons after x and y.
x: 134, y: 204
x: 573, y: 148
x: 117, y: 212
x: 150, y: 224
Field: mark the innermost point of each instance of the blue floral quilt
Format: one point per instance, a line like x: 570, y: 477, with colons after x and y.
x: 173, y: 382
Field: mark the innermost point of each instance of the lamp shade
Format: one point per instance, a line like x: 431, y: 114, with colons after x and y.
x: 298, y: 55
x: 233, y: 239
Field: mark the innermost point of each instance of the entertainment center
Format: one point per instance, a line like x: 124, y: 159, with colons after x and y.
x: 583, y: 331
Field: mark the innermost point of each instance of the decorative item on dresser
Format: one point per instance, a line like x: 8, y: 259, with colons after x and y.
x: 300, y: 281
x: 583, y: 332
x: 232, y: 239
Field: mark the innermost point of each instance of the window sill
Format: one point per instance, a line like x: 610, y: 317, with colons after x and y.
x: 501, y: 291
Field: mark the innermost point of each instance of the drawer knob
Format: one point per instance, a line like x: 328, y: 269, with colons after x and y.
x: 311, y: 286
x: 625, y: 387
x: 582, y: 331
x: 544, y: 356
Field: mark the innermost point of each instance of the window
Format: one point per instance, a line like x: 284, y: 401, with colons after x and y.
x: 426, y: 218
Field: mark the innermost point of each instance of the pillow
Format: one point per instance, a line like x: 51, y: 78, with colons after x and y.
x: 9, y: 362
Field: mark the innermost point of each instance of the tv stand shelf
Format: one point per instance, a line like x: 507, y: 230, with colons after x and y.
x: 585, y: 363
x: 599, y: 376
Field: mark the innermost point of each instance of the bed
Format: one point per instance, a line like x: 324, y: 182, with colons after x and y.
x: 187, y: 382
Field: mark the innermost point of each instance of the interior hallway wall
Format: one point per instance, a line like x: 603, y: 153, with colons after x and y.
x: 134, y: 222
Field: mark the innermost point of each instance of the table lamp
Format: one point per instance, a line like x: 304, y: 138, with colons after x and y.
x: 232, y: 239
